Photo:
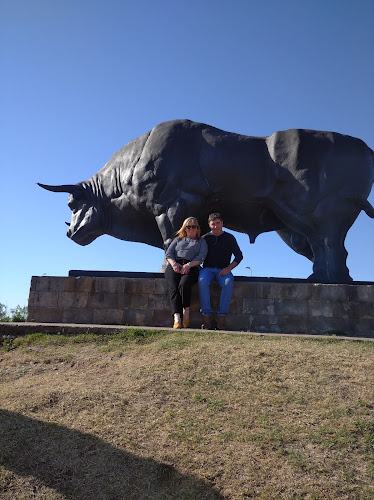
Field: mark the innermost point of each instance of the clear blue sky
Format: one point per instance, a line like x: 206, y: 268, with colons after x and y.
x: 81, y: 78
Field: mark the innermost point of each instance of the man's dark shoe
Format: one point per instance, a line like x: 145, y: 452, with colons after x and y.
x: 207, y: 323
x: 221, y: 323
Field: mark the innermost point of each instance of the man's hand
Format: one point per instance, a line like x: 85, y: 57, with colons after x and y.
x: 225, y: 271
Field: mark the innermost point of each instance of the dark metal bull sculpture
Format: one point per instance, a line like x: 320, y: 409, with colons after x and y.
x: 307, y: 185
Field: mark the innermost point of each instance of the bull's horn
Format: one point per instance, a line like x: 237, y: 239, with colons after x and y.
x: 64, y: 188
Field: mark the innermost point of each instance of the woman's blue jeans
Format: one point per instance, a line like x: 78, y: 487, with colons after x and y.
x: 206, y: 277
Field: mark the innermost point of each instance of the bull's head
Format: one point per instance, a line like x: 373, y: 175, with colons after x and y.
x: 86, y: 220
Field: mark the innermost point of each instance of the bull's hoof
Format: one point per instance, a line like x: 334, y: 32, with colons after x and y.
x: 320, y: 277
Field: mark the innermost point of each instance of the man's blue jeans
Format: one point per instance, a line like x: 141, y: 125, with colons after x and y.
x: 206, y: 277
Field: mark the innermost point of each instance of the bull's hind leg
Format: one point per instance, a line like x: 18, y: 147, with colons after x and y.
x: 330, y: 258
x: 298, y: 242
x: 325, y: 229
x: 328, y: 255
x: 332, y: 219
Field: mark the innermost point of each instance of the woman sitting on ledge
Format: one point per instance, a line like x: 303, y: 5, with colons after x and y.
x: 184, y: 255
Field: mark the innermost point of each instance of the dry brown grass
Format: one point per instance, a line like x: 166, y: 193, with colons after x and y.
x: 183, y: 415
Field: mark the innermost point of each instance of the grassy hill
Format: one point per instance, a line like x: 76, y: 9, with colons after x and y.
x: 186, y: 415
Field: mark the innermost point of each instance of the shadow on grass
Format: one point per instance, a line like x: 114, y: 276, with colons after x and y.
x: 81, y: 466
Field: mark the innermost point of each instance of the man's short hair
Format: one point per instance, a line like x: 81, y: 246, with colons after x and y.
x: 215, y: 215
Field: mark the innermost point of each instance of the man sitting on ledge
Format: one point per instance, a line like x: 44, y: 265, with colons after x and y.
x: 217, y: 266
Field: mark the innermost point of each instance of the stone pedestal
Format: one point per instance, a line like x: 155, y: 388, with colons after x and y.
x: 258, y: 304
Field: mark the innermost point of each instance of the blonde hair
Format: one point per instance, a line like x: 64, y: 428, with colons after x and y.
x: 182, y: 233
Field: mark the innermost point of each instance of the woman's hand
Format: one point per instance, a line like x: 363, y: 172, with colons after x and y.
x: 177, y: 268
x: 185, y: 269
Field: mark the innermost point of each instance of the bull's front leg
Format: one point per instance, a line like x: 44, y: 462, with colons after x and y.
x: 167, y: 230
x: 172, y: 220
x: 330, y: 258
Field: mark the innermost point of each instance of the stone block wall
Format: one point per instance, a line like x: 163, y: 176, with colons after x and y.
x: 258, y: 305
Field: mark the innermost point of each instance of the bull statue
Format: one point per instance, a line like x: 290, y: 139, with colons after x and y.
x: 307, y: 185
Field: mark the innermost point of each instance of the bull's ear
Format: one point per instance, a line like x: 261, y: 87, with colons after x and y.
x: 64, y: 188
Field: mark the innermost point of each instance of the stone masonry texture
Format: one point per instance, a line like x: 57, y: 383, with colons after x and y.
x: 258, y: 306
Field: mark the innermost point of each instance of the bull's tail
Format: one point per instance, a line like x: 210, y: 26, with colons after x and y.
x: 364, y: 205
